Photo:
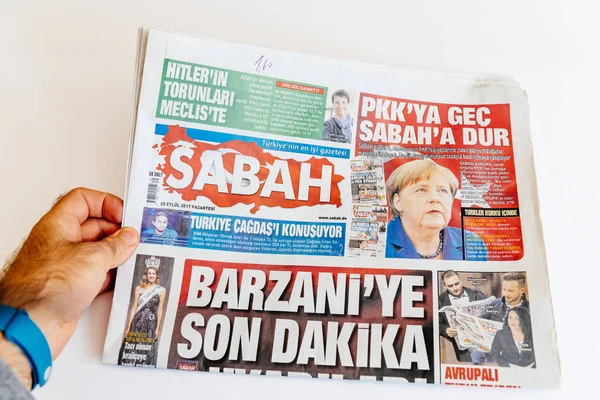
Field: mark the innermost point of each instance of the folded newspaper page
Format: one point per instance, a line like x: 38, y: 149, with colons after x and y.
x: 313, y: 217
x: 472, y: 332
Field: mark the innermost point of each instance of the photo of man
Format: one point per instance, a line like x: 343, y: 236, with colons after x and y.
x: 457, y: 294
x: 338, y: 128
x: 160, y: 232
x: 513, y: 295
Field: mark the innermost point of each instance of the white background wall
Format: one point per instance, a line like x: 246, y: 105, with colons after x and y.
x: 66, y: 70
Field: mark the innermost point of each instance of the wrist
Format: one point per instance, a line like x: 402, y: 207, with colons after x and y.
x: 50, y: 328
x: 16, y: 361
x: 19, y: 330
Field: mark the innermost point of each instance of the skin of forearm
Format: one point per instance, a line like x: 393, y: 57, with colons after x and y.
x: 16, y: 360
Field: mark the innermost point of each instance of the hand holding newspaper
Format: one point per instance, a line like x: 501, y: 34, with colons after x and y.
x: 297, y: 215
x: 473, y: 332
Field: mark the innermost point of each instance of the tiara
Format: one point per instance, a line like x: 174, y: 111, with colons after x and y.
x: 152, y: 262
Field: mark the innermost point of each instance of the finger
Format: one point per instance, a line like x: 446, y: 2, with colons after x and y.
x: 115, y: 249
x: 83, y: 203
x: 95, y: 229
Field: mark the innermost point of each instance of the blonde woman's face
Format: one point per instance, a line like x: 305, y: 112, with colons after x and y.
x: 426, y: 204
x: 151, y: 275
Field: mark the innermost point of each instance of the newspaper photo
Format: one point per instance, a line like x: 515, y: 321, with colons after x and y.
x: 306, y: 216
x: 472, y: 332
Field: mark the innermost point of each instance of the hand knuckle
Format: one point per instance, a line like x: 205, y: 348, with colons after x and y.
x: 112, y: 245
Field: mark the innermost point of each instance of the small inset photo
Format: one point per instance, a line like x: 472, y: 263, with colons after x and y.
x: 484, y: 319
x: 339, y: 123
x: 162, y: 226
x: 151, y: 278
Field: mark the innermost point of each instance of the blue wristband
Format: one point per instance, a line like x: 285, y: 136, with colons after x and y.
x: 19, y: 329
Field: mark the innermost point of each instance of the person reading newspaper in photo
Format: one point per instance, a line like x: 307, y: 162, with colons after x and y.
x: 457, y: 294
x: 65, y: 262
x: 146, y: 314
x: 513, y: 344
x: 160, y: 233
x: 338, y: 128
x: 421, y: 194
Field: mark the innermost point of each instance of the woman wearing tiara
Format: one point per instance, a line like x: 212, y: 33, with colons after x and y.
x: 139, y: 346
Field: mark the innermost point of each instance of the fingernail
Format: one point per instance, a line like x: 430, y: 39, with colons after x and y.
x: 129, y: 235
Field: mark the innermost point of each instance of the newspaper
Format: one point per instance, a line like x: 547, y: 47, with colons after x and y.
x: 473, y: 332
x: 302, y: 216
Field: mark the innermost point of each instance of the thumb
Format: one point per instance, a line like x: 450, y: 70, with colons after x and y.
x: 117, y: 248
